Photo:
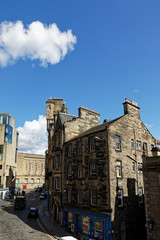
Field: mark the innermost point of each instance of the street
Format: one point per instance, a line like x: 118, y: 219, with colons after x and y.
x: 15, y: 224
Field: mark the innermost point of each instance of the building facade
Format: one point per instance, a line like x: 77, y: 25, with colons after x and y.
x: 30, y: 171
x: 8, y: 153
x: 96, y: 172
x: 151, y: 172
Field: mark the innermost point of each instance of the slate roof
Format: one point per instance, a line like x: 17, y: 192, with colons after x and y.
x: 96, y: 129
x: 66, y: 117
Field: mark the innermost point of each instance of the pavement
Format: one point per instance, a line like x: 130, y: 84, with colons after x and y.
x: 48, y: 221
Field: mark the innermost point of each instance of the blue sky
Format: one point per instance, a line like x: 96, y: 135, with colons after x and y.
x: 112, y: 53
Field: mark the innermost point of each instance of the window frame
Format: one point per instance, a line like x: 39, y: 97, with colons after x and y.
x: 138, y: 145
x: 1, y: 152
x: 57, y: 183
x: 69, y: 150
x: 79, y: 147
x: 26, y: 180
x: 132, y: 144
x: 140, y: 194
x: 120, y: 198
x: 79, y: 171
x: 32, y: 180
x: 69, y: 171
x: 117, y: 142
x: 119, y: 169
x: 93, y: 197
x: 92, y: 144
x: 133, y: 166
x: 92, y: 170
x: 80, y: 196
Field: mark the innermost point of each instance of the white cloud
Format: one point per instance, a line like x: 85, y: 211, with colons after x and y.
x: 33, y: 136
x: 149, y: 125
x: 36, y: 42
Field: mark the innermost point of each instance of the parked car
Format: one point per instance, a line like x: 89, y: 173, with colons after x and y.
x: 33, y: 212
x: 43, y: 195
x: 20, y: 202
x: 38, y: 189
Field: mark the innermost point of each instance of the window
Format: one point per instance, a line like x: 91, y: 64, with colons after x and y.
x: 79, y: 171
x: 69, y: 171
x: 92, y: 145
x: 139, y: 166
x: 138, y: 145
x: 140, y: 194
x: 1, y: 152
x: 58, y: 162
x: 93, y: 197
x: 69, y: 192
x: 79, y: 148
x: 57, y: 182
x: 132, y: 144
x: 4, y: 119
x: 80, y: 193
x: 38, y: 180
x: 0, y: 167
x: 145, y: 151
x: 152, y: 146
x: 42, y: 167
x: 133, y: 166
x: 17, y: 180
x: 32, y: 180
x: 8, y: 134
x: 120, y: 197
x: 69, y: 150
x: 92, y: 170
x: 26, y: 180
x: 119, y: 169
x: 117, y: 143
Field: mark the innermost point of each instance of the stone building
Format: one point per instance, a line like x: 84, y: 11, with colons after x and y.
x: 30, y: 171
x: 95, y: 171
x: 151, y: 172
x: 8, y: 153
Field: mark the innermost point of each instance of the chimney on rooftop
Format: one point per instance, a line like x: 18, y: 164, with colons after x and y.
x: 130, y: 107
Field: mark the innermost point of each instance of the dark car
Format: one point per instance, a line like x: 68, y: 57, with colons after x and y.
x: 33, y: 212
x: 43, y: 195
x: 20, y: 202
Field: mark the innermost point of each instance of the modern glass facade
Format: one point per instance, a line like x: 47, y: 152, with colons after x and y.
x: 5, y: 119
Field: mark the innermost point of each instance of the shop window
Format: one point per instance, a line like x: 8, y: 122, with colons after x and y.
x: 138, y: 145
x: 69, y: 151
x: 98, y: 228
x: 57, y: 182
x: 80, y: 195
x: 93, y: 197
x: 119, y: 169
x: 117, y: 143
x: 140, y: 194
x: 120, y: 197
x: 79, y: 171
x: 79, y: 148
x: 133, y: 167
x: 145, y: 151
x: 93, y: 170
x: 132, y: 144
x: 26, y: 180
x: 69, y: 171
x: 69, y: 192
x: 86, y: 225
x: 92, y: 145
x: 32, y: 180
x: 1, y: 152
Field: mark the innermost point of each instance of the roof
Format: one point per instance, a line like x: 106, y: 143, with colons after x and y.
x: 65, y: 117
x: 98, y: 128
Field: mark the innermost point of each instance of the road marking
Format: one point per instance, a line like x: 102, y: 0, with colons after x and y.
x: 45, y: 230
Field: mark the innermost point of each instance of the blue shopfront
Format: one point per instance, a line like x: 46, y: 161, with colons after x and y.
x: 87, y: 224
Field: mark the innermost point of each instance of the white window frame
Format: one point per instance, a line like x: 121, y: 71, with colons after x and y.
x: 119, y: 169
x: 138, y: 145
x: 26, y: 180
x: 32, y: 180
x: 38, y: 180
x: 120, y: 197
x: 117, y: 142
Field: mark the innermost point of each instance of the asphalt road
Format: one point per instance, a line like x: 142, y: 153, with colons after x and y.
x: 15, y: 224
